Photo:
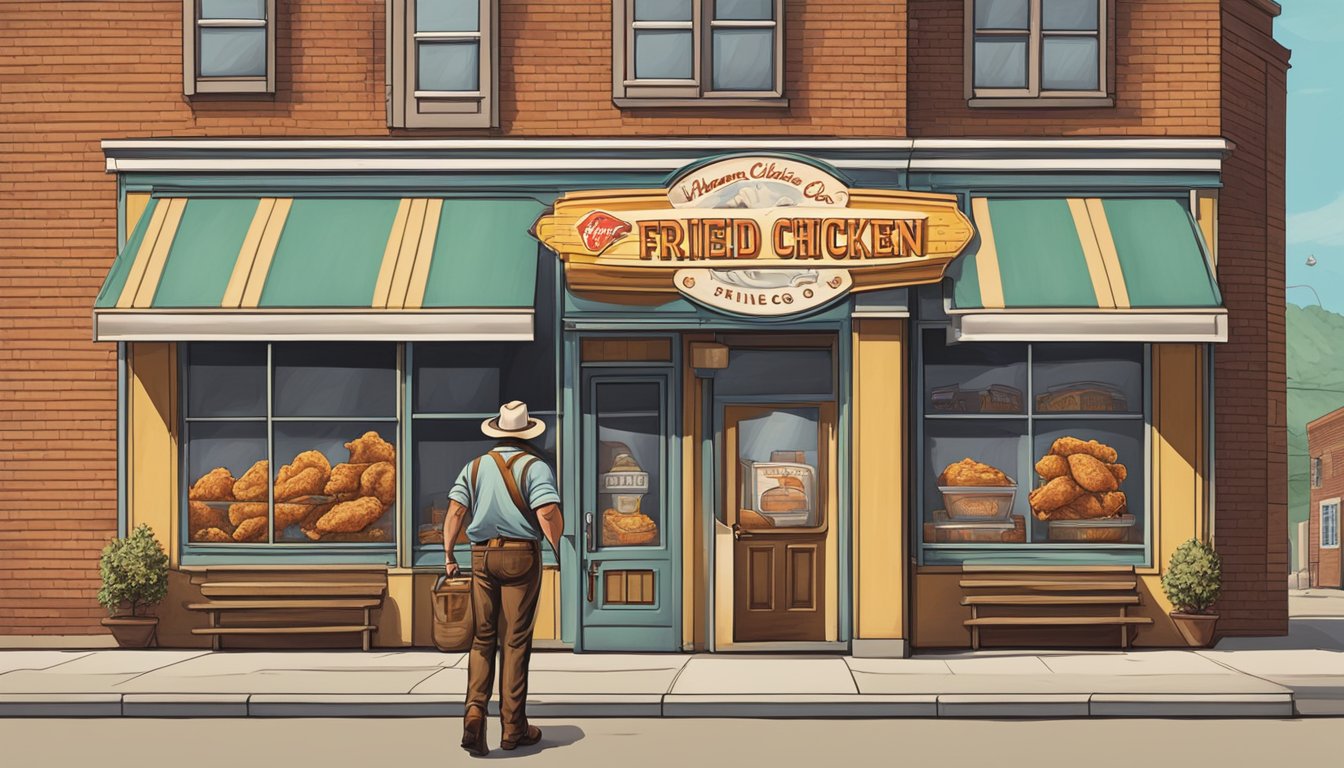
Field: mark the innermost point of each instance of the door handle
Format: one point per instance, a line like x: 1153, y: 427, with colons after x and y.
x: 588, y: 532
x: 593, y: 567
x: 739, y: 533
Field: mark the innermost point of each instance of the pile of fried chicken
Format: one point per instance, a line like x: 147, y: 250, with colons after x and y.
x: 1082, y: 482
x: 345, y: 502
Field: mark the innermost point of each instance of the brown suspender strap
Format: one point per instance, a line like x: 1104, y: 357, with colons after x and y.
x: 511, y: 484
x: 475, y: 465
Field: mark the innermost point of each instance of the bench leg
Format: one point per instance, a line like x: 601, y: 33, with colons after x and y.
x: 367, y: 632
x: 975, y: 630
x: 214, y: 624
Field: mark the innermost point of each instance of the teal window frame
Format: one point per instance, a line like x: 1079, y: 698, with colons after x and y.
x: 247, y: 553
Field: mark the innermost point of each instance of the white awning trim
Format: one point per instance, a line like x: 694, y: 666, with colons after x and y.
x: 1120, y: 155
x: 1208, y: 326
x: 312, y: 325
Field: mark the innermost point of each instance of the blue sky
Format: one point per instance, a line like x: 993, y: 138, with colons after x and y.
x: 1314, y: 31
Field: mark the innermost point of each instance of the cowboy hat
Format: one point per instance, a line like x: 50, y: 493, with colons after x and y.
x: 513, y: 421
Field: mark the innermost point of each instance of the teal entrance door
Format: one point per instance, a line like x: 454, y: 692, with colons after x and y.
x: 630, y: 522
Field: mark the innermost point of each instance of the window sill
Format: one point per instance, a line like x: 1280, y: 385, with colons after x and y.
x: 764, y: 102
x: 1061, y: 102
x: 258, y: 87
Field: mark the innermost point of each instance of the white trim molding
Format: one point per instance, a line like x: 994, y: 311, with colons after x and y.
x: 313, y: 325
x: 1119, y: 155
x: 1155, y: 326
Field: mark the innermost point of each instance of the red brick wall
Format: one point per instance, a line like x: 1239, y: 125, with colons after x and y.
x: 1165, y: 76
x: 1325, y: 438
x: 76, y: 72
x: 1251, y: 524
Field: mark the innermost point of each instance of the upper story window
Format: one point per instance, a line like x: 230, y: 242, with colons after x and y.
x: 689, y: 52
x: 228, y: 46
x: 1316, y: 472
x: 1330, y: 524
x: 442, y: 64
x: 1047, y: 52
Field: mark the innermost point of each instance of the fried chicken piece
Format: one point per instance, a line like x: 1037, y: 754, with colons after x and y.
x: 289, y: 514
x: 1119, y: 471
x: 303, y: 461
x: 1113, y: 503
x: 1051, y: 466
x: 308, y: 482
x: 1085, y: 507
x: 370, y: 448
x: 379, y: 481
x: 1091, y: 474
x: 344, y: 479
x: 200, y: 515
x: 241, y: 512
x: 253, y: 484
x: 969, y: 472
x: 309, y: 522
x: 215, y: 485
x: 253, y: 529
x: 1054, y: 494
x: 351, y: 516
x: 1068, y: 446
x: 369, y: 535
x: 212, y: 535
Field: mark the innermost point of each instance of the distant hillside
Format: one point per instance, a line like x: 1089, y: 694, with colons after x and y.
x: 1315, y: 352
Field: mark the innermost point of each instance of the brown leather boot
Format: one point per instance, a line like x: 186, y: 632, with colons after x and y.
x: 532, y: 736
x: 473, y: 732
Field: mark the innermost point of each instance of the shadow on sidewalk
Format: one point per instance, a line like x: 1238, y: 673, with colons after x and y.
x: 552, y: 737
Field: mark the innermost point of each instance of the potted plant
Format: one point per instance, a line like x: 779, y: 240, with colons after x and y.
x: 134, y: 571
x: 1192, y: 582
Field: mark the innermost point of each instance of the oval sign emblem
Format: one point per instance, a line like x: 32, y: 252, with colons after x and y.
x: 763, y: 292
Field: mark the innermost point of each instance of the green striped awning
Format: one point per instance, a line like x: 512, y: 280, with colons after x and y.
x: 337, y: 268
x: 1085, y: 268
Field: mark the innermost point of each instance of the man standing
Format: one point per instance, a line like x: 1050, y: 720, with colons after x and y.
x: 511, y: 496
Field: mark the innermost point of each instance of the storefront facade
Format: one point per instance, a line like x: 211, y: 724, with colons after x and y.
x: 750, y: 458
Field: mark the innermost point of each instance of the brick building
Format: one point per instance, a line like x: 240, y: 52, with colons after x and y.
x: 197, y: 122
x: 1325, y: 449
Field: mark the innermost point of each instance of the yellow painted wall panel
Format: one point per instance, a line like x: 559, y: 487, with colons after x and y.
x: 151, y: 461
x: 880, y: 427
x: 136, y: 203
x: 396, y: 618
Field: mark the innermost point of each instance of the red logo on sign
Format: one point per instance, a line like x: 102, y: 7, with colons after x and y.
x: 600, y: 229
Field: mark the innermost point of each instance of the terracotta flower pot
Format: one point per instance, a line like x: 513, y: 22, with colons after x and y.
x: 1196, y: 628
x: 133, y: 631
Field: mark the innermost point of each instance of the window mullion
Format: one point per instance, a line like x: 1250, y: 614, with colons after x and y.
x: 270, y: 443
x: 1034, y: 49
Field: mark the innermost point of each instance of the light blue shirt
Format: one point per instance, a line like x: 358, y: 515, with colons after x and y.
x: 493, y: 513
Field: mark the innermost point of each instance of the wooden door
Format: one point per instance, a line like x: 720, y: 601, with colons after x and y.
x: 777, y: 473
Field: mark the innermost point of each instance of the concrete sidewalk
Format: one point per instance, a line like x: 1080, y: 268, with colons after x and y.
x: 1300, y: 673
x: 417, y: 683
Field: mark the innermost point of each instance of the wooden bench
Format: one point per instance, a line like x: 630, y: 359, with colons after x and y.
x: 1045, y: 597
x: 288, y: 596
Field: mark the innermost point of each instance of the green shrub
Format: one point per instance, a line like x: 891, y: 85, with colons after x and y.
x: 134, y: 571
x: 1193, y: 578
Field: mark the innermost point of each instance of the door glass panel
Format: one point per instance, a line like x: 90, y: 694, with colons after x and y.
x: 777, y: 455
x: 630, y: 463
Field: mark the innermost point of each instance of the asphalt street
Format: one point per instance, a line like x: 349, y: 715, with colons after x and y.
x: 652, y: 743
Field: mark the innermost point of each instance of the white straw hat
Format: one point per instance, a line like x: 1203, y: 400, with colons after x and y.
x: 513, y: 421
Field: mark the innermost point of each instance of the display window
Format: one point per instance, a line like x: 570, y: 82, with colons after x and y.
x: 455, y: 386
x: 1031, y: 451
x: 292, y: 443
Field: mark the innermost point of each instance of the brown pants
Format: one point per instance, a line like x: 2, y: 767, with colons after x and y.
x: 505, y: 586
